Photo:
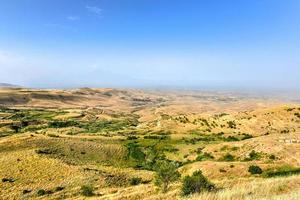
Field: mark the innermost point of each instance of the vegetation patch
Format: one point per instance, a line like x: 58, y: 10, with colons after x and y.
x: 8, y: 180
x: 204, y: 156
x: 283, y: 171
x: 254, y: 169
x: 135, y: 181
x: 196, y: 183
x: 42, y: 192
x: 253, y: 155
x: 87, y: 190
x: 227, y: 157
x: 46, y: 151
x: 297, y: 115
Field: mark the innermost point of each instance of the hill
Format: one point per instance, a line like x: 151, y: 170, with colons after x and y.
x: 7, y: 85
x: 53, y: 143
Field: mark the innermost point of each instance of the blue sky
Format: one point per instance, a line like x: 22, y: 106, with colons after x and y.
x: 148, y: 43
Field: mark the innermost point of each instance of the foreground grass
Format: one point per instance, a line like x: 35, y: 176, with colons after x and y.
x: 284, y: 188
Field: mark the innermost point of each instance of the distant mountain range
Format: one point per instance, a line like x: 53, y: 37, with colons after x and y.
x: 7, y: 85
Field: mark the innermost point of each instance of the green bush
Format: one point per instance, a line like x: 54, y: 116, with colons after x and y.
x: 231, y: 139
x: 196, y: 183
x: 228, y: 157
x: 152, y: 155
x: 45, y: 151
x: 41, y: 192
x: 59, y: 188
x: 246, y: 136
x: 26, y: 191
x: 166, y: 173
x: 135, y: 181
x: 87, y: 190
x: 254, y: 169
x: 231, y: 124
x: 135, y: 152
x: 204, y: 156
x: 253, y: 155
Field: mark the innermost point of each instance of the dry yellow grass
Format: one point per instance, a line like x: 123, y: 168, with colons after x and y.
x: 33, y: 172
x: 287, y: 188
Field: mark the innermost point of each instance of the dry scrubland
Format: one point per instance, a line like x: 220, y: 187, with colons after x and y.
x: 107, y: 143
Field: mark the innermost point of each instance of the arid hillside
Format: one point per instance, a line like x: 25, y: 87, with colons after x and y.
x: 108, y: 143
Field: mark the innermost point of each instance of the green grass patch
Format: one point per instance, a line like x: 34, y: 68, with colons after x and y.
x: 283, y: 171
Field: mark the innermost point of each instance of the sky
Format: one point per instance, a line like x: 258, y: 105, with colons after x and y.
x: 150, y: 43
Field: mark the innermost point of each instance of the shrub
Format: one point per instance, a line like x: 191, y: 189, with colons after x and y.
x: 196, y: 183
x: 41, y: 192
x: 26, y: 191
x: 170, y: 149
x: 87, y: 190
x: 228, y: 157
x: 132, y: 137
x: 253, y: 155
x: 9, y: 180
x: 166, y: 173
x: 135, y: 181
x: 231, y: 124
x: 45, y: 151
x: 135, y: 152
x: 204, y: 156
x: 235, y: 148
x: 59, y: 188
x: 272, y: 157
x: 53, y: 135
x: 290, y: 109
x: 231, y: 139
x: 152, y: 155
x: 254, y: 169
x: 16, y: 127
x: 246, y: 136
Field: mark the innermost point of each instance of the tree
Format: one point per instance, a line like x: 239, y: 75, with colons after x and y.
x: 166, y: 173
x: 196, y: 183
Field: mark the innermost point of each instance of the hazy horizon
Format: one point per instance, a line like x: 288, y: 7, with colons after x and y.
x: 140, y: 44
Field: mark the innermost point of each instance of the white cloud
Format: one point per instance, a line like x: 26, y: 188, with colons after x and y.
x: 94, y: 9
x: 73, y: 18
